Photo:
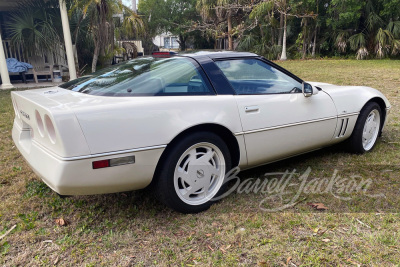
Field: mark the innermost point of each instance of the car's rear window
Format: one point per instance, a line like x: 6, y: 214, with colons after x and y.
x: 145, y: 77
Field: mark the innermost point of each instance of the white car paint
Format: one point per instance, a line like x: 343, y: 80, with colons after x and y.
x: 90, y: 128
x: 350, y: 99
x: 281, y: 124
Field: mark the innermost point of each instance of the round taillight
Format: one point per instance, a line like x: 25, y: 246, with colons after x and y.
x: 51, y: 131
x: 16, y: 108
x: 39, y: 123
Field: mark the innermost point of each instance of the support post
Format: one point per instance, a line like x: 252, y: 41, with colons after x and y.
x: 67, y: 40
x: 5, y: 77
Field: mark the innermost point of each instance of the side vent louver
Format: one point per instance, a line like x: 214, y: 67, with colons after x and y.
x: 343, y: 127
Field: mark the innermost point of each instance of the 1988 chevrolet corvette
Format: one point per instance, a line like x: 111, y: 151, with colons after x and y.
x: 182, y: 122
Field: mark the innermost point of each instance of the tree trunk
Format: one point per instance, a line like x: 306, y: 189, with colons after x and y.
x: 134, y: 6
x: 76, y: 41
x: 272, y: 28
x: 272, y: 36
x: 283, y: 55
x: 315, y: 32
x: 281, y: 30
x: 76, y: 60
x: 261, y: 31
x: 95, y: 55
x: 305, y: 39
x: 230, y: 39
x: 182, y: 42
x: 315, y: 42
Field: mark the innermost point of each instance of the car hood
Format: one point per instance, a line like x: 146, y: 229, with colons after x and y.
x: 350, y: 99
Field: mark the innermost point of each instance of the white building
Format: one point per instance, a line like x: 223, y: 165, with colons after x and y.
x: 166, y: 41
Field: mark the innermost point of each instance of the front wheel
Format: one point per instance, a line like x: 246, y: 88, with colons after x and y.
x: 367, y: 128
x: 193, y: 172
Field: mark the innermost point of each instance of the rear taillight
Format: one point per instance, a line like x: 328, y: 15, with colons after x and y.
x: 51, y: 131
x: 39, y: 123
x: 45, y: 126
x: 113, y: 162
x: 15, y: 108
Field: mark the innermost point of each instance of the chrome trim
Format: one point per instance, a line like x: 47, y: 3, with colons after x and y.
x: 100, y: 154
x: 285, y: 126
x: 348, y: 115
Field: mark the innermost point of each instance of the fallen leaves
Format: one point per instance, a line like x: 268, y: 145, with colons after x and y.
x: 317, y: 206
x: 61, y: 222
x: 224, y: 249
x: 353, y: 262
x: 289, y: 262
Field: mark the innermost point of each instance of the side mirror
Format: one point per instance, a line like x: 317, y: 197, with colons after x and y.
x: 309, y: 90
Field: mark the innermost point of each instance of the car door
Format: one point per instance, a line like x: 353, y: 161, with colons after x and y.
x: 278, y: 120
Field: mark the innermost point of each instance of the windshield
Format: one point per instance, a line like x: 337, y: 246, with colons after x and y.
x: 145, y: 77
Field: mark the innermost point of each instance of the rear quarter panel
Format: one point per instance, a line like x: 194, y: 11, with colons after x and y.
x: 138, y: 122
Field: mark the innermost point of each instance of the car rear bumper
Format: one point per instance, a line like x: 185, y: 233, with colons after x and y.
x: 76, y: 176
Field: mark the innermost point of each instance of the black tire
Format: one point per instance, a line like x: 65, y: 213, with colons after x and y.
x: 355, y: 142
x: 166, y: 181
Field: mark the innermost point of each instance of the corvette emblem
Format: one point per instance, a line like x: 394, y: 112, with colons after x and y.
x: 26, y: 115
x: 200, y: 173
x: 50, y: 92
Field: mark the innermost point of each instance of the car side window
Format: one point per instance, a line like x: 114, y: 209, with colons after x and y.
x: 252, y: 77
x: 146, y: 77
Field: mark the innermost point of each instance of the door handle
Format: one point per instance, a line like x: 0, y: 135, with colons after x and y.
x: 251, y: 109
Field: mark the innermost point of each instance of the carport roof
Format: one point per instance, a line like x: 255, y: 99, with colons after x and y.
x: 7, y: 5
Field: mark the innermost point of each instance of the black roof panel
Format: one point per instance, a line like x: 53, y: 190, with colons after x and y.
x: 219, y: 54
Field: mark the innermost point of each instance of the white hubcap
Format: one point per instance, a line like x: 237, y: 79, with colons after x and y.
x: 371, y: 129
x: 199, y: 173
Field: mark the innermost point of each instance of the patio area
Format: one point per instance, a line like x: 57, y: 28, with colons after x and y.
x: 33, y: 85
x: 63, y: 58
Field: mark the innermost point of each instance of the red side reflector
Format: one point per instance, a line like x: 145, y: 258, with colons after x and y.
x: 101, y: 164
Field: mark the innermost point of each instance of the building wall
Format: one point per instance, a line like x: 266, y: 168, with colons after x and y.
x: 167, y: 41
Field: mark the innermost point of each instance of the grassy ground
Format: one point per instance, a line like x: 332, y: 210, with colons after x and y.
x: 133, y: 229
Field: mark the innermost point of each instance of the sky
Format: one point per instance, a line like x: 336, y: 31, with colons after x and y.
x: 129, y: 2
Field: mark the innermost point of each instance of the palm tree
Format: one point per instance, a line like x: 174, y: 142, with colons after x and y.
x: 269, y: 7
x: 100, y: 14
x: 36, y: 25
x: 222, y: 11
x: 374, y: 36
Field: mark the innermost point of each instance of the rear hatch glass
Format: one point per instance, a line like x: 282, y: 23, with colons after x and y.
x: 145, y: 77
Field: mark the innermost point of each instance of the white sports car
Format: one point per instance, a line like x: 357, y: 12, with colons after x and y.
x: 182, y: 122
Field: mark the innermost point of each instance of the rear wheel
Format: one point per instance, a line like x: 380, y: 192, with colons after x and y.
x: 367, y: 128
x: 193, y: 172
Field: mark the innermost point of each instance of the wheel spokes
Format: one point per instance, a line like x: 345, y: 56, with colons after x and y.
x: 199, y: 173
x: 371, y: 130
